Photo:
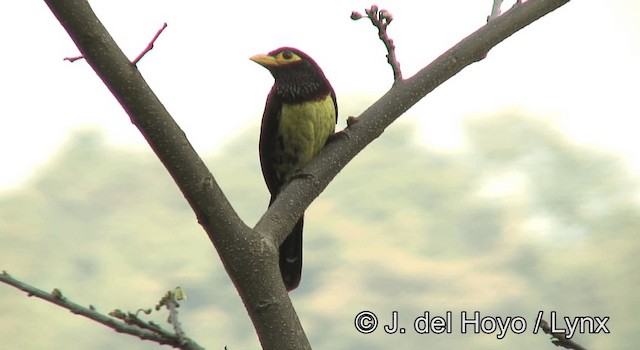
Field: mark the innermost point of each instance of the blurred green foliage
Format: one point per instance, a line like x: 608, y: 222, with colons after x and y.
x: 523, y: 220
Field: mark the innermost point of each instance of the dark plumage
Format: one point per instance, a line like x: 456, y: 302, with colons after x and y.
x: 299, y: 116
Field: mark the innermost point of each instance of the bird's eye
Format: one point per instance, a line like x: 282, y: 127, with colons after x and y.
x: 286, y: 57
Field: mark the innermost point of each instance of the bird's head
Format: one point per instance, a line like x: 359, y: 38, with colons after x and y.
x: 297, y: 76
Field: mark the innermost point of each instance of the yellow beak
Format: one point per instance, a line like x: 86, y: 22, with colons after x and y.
x: 264, y: 60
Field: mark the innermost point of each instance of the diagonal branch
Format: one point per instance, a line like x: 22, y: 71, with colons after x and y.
x: 249, y: 258
x: 154, y: 334
x: 147, y: 113
x: 296, y: 197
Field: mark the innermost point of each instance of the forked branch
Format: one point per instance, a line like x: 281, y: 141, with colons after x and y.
x: 119, y: 321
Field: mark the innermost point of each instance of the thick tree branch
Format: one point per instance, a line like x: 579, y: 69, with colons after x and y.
x: 249, y: 258
x: 155, y: 334
x: 296, y: 197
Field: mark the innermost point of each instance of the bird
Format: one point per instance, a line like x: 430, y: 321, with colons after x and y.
x: 299, y: 118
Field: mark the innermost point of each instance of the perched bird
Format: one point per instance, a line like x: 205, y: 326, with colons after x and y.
x: 299, y: 116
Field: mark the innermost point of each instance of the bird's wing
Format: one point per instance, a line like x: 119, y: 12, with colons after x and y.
x: 335, y: 102
x: 268, y: 139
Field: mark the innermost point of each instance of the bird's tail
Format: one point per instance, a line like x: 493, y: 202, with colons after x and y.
x: 291, y: 256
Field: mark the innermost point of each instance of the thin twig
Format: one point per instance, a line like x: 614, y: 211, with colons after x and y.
x: 495, y: 10
x: 150, y: 46
x: 381, y: 19
x: 73, y: 59
x: 148, y: 332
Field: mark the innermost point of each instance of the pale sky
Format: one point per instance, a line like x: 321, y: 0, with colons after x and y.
x: 577, y: 67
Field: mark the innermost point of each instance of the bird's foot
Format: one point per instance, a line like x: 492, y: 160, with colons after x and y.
x: 351, y: 120
x: 298, y: 174
x: 336, y: 136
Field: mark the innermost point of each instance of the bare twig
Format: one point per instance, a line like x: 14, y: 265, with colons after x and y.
x: 381, y: 19
x: 495, y: 10
x: 141, y: 330
x: 73, y: 59
x: 559, y: 339
x: 137, y: 59
x: 150, y: 46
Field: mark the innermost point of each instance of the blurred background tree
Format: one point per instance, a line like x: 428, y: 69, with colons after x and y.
x: 519, y: 221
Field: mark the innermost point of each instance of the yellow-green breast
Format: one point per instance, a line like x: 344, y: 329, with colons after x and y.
x: 303, y: 129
